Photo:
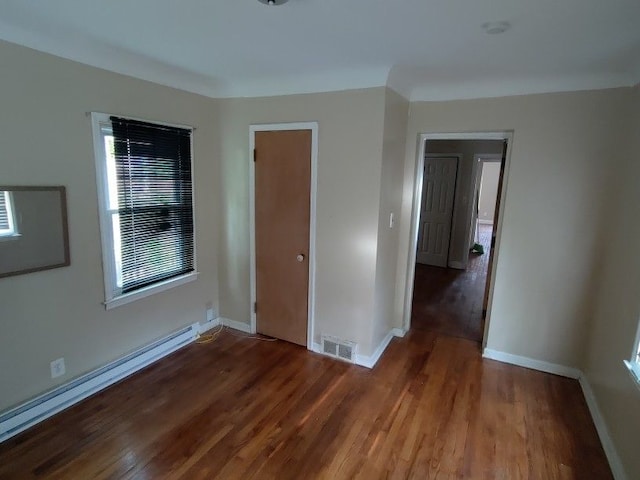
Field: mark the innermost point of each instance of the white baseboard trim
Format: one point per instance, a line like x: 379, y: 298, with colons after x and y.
x: 531, y: 363
x: 485, y: 222
x: 371, y: 360
x: 48, y: 404
x: 241, y: 326
x: 206, y: 326
x: 603, y: 432
x: 398, y: 332
x: 457, y: 265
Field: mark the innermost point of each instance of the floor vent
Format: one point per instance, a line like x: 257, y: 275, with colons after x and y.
x: 342, y: 349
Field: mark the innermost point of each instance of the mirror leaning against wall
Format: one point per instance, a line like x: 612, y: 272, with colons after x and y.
x: 33, y: 229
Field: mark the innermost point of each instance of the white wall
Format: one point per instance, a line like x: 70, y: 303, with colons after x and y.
x: 617, y: 305
x: 549, y: 243
x: 46, y: 139
x: 350, y: 133
x: 393, y: 152
x: 488, y: 191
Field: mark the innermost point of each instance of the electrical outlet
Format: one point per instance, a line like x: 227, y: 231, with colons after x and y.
x: 57, y: 368
x: 209, y: 314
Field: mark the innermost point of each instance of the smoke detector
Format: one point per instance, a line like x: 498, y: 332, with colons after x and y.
x: 494, y: 28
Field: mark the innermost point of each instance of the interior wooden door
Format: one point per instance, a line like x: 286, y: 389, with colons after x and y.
x: 282, y: 216
x: 436, y: 212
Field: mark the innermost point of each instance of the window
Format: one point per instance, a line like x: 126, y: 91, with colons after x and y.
x: 146, y: 208
x: 7, y: 221
x: 634, y: 363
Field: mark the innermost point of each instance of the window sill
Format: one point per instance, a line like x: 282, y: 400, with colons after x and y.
x: 634, y: 371
x: 150, y: 290
x: 10, y: 237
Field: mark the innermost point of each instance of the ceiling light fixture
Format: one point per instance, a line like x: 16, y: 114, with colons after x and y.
x: 494, y: 28
x: 273, y: 3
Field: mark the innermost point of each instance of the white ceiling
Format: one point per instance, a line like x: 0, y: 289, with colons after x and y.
x: 426, y: 49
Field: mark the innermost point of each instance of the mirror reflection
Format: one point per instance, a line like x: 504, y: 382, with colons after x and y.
x: 33, y: 229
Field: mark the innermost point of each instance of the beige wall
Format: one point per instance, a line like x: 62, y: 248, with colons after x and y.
x: 350, y: 127
x: 463, y: 202
x: 46, y: 140
x: 561, y: 146
x: 393, y: 152
x: 617, y: 305
x: 572, y: 164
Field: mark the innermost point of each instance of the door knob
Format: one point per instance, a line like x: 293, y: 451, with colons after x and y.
x: 300, y: 257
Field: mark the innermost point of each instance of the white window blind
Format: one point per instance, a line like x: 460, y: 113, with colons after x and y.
x: 6, y: 214
x: 4, y: 217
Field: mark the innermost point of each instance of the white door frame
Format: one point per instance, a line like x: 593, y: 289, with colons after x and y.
x: 415, y: 214
x: 313, y: 126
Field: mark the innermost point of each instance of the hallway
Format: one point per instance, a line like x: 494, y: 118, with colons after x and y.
x: 449, y: 301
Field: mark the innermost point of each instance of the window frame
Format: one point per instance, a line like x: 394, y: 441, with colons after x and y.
x: 633, y: 364
x: 111, y: 298
x: 10, y: 233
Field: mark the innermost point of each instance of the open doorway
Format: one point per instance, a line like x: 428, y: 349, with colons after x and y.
x: 451, y: 295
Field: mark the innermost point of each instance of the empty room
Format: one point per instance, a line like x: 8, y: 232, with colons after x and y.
x: 271, y: 239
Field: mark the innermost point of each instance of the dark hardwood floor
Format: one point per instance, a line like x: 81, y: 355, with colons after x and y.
x: 449, y: 301
x: 240, y: 408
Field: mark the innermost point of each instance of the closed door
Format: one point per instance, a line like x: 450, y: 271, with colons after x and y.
x: 436, y: 212
x: 282, y: 211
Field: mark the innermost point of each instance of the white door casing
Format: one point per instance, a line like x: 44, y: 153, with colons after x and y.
x: 313, y: 126
x: 417, y: 181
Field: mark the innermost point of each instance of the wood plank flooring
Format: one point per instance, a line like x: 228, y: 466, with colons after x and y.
x: 240, y: 408
x: 449, y: 301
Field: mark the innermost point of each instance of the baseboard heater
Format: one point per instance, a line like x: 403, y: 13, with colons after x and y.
x: 44, y: 406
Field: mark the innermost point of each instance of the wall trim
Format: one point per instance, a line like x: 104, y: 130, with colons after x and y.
x: 532, y: 363
x: 240, y: 326
x: 485, y: 222
x: 206, y: 326
x: 398, y: 332
x: 40, y: 408
x: 603, y: 431
x: 371, y: 360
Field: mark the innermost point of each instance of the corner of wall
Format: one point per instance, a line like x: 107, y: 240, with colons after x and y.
x: 391, y: 179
